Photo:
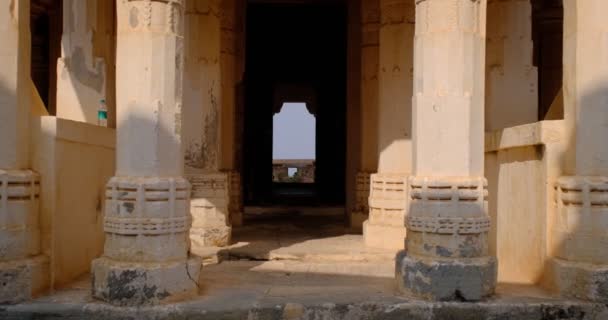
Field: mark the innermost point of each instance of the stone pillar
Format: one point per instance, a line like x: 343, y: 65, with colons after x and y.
x: 23, y: 271
x: 147, y: 213
x: 209, y: 120
x: 447, y: 239
x: 580, y: 266
x: 370, y: 36
x: 512, y: 78
x: 388, y: 190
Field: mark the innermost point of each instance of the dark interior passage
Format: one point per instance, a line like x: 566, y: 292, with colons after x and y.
x: 548, y: 33
x: 295, y: 53
x: 46, y: 28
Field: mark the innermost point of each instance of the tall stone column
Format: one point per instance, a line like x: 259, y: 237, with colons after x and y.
x: 23, y: 271
x: 447, y: 223
x: 370, y: 36
x: 209, y: 120
x: 388, y: 188
x: 580, y: 267
x: 147, y: 212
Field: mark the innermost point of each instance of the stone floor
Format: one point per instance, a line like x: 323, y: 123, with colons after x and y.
x: 299, y: 235
x: 308, y: 268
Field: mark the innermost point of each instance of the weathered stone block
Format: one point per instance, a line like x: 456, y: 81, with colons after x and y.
x: 581, y: 280
x: 137, y: 284
x: 211, y: 236
x: 446, y: 280
x: 21, y: 279
x: 388, y: 201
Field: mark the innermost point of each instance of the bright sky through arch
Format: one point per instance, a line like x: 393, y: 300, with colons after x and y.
x: 293, y: 135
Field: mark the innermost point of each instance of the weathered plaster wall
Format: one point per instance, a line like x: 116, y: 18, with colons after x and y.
x: 85, y: 71
x: 213, y: 69
x: 203, y: 99
x: 231, y: 68
x: 511, y: 78
x: 522, y: 164
x: 75, y: 161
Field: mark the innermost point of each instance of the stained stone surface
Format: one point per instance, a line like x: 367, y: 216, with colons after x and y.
x: 21, y: 279
x: 126, y: 284
x: 259, y: 290
x: 581, y: 280
x: 450, y: 280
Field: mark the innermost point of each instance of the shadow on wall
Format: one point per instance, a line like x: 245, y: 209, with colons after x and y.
x: 577, y: 233
x: 396, y: 82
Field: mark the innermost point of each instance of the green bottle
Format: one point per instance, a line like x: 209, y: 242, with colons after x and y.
x: 102, y: 113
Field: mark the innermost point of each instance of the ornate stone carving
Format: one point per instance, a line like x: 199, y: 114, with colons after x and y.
x: 142, y: 206
x: 388, y: 201
x: 448, y: 225
x: 23, y: 271
x: 362, y: 189
x: 437, y: 205
x: 581, y: 207
x: 146, y: 10
x: 146, y: 223
x: 586, y: 193
x: 210, y: 209
x: 19, y: 202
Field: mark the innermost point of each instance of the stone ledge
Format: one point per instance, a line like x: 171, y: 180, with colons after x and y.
x: 393, y: 309
x: 537, y: 133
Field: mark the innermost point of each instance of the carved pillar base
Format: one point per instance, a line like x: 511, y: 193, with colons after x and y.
x: 360, y: 212
x: 146, y: 259
x: 446, y: 280
x: 210, y: 209
x: 580, y: 268
x: 388, y: 199
x: 137, y: 284
x: 23, y: 271
x: 447, y: 246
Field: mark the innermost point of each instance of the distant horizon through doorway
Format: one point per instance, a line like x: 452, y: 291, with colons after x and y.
x: 293, y: 144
